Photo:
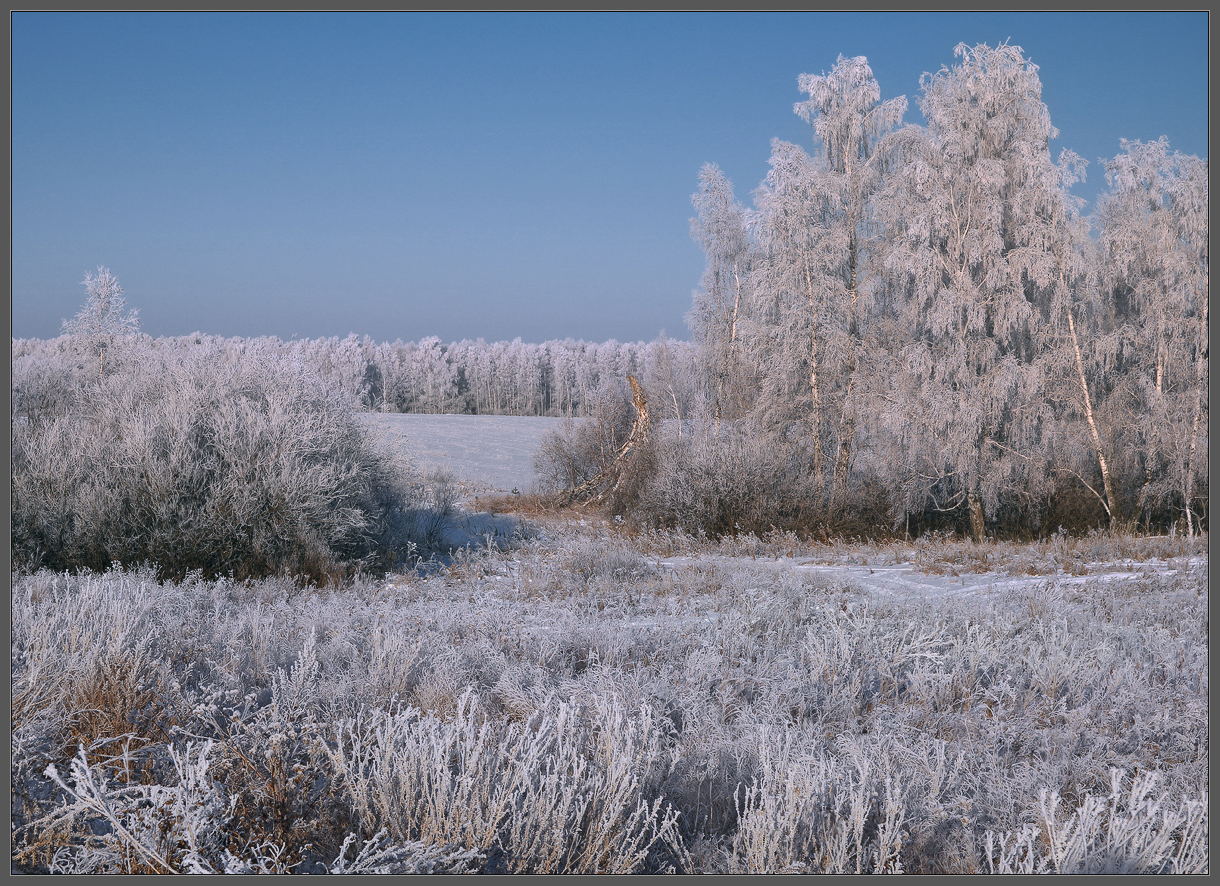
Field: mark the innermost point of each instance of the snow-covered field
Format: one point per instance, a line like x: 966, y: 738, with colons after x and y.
x: 752, y: 705
x: 483, y: 452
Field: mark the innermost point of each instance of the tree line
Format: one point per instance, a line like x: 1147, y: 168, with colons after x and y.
x: 927, y: 309
x: 561, y: 378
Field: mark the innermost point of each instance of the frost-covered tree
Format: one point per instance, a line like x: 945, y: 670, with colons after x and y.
x: 792, y: 279
x: 346, y: 363
x: 103, y: 321
x: 1080, y: 345
x: 430, y: 376
x: 718, y: 306
x: 562, y: 376
x: 387, y: 358
x: 667, y: 374
x: 526, y: 374
x: 1153, y: 235
x: 970, y: 214
x: 854, y: 130
x: 817, y: 240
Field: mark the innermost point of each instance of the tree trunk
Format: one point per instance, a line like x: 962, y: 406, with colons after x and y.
x: 730, y: 386
x: 847, y: 427
x: 1111, y: 501
x: 974, y: 498
x: 610, y: 477
x: 667, y: 367
x: 847, y: 430
x: 1200, y: 407
x: 978, y: 529
x: 736, y: 306
x: 838, y: 485
x: 814, y: 389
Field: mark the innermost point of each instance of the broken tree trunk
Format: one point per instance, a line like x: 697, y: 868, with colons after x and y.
x: 610, y: 477
x: 978, y: 525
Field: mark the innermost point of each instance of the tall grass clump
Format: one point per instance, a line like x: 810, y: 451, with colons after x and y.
x: 261, y: 727
x: 560, y: 793
x: 1131, y: 831
x: 222, y: 460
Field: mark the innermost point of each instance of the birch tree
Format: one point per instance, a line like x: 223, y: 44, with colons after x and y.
x: 1074, y: 336
x: 973, y: 251
x: 853, y: 132
x: 666, y: 378
x: 793, y: 279
x: 1153, y: 235
x: 717, y: 308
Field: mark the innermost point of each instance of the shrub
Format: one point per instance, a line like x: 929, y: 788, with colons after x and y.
x: 715, y: 481
x: 224, y: 461
x: 579, y: 451
x: 725, y: 482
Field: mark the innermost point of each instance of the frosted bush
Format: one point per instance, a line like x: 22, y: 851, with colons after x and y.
x: 217, y: 460
x: 733, y: 480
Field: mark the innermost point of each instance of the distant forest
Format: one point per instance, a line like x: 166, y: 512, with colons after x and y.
x: 912, y: 325
x: 556, y: 378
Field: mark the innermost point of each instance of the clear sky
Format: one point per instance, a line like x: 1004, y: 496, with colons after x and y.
x: 492, y: 175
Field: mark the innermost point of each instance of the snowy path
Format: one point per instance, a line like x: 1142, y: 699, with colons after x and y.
x: 908, y: 581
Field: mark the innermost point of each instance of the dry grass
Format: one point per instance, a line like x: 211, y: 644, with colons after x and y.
x: 942, y: 553
x: 526, y: 504
x: 594, y: 711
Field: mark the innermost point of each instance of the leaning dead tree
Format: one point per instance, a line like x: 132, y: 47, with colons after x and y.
x: 609, y: 478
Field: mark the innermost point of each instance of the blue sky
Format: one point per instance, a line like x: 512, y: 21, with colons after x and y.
x: 471, y: 175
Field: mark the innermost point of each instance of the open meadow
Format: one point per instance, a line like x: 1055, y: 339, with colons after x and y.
x: 563, y: 695
x: 482, y: 453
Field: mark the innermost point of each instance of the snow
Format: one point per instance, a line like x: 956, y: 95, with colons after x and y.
x: 483, y: 452
x: 906, y: 580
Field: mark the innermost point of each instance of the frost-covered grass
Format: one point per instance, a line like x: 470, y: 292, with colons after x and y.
x: 591, y: 701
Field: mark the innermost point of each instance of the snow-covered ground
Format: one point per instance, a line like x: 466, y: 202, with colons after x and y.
x: 909, y: 581
x: 483, y: 452
x: 495, y: 453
